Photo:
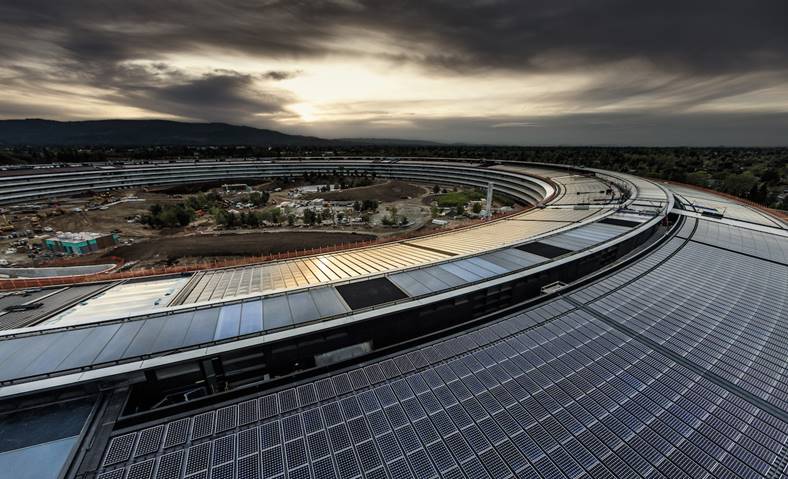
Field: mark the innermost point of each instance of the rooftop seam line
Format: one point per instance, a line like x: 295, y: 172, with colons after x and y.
x: 738, y: 252
x: 427, y: 248
x: 679, y: 359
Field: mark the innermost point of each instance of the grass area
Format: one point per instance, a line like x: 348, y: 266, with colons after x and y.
x: 454, y: 199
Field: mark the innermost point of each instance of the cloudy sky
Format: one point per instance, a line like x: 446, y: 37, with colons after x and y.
x: 485, y: 71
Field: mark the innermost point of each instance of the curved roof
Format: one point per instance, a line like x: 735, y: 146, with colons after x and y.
x: 674, y: 366
x: 284, y: 299
x: 671, y: 363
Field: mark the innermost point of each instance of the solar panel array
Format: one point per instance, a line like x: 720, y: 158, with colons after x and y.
x: 698, y: 200
x: 89, y: 345
x: 390, y: 257
x: 52, y: 300
x: 618, y: 379
x: 385, y: 258
x: 214, y: 285
x: 103, y: 343
x: 587, y: 236
x: 770, y: 246
x: 462, y: 272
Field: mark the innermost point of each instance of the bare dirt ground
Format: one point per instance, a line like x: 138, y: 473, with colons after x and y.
x: 199, y: 248
x: 385, y: 192
x: 113, y: 218
x: 200, y: 242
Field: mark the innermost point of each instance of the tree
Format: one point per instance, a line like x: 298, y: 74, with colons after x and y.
x: 436, y: 189
x: 155, y: 209
x: 273, y: 215
x: 226, y: 219
x: 477, y: 208
x: 369, y: 205
x: 291, y: 219
x: 763, y: 194
x: 739, y: 184
x: 391, y: 220
x: 258, y: 198
x: 700, y: 178
x: 310, y: 217
x: 169, y: 216
x: 771, y: 176
x: 753, y: 194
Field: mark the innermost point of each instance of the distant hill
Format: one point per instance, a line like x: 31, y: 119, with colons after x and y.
x: 387, y: 141
x: 143, y: 132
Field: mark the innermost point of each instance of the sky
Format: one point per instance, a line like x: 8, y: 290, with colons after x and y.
x: 525, y: 72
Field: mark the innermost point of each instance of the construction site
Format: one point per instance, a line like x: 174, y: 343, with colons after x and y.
x: 218, y: 221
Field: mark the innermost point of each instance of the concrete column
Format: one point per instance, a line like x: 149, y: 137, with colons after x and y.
x: 489, y: 199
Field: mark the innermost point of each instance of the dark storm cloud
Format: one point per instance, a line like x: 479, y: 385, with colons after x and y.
x: 711, y: 37
x: 687, y: 53
x: 221, y: 96
x: 278, y: 75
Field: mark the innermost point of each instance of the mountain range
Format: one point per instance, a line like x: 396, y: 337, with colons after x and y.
x: 37, y: 132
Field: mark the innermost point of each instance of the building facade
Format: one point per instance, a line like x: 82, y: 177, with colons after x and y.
x: 80, y: 243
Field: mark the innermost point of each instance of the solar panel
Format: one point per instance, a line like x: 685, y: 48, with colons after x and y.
x: 543, y: 249
x: 363, y: 294
x: 643, y: 373
x: 251, y: 317
x: 177, y: 433
x: 119, y: 449
x: 229, y: 322
x: 276, y: 313
x: 149, y: 441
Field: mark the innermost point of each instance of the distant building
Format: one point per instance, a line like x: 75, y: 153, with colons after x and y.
x: 80, y: 243
x: 237, y: 188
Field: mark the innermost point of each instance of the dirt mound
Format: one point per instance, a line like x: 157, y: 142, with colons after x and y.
x: 228, y: 245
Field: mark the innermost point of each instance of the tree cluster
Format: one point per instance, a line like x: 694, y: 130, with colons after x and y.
x: 204, y: 201
x: 251, y: 219
x: 366, y: 205
x: 168, y: 216
x: 257, y: 198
